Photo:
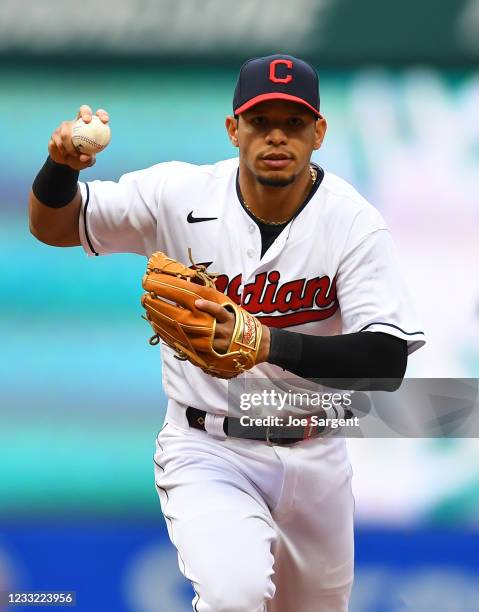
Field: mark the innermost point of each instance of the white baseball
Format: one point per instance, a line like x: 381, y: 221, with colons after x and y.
x: 89, y: 138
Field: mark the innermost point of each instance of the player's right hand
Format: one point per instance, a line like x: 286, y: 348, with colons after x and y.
x: 61, y: 148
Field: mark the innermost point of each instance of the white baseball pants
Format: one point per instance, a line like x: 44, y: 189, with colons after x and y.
x: 257, y: 527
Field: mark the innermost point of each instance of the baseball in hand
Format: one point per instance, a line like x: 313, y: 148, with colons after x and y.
x: 90, y: 138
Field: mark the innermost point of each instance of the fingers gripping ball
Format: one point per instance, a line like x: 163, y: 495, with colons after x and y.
x: 90, y: 138
x: 171, y: 291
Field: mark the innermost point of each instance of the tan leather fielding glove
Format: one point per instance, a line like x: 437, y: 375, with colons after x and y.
x: 171, y: 291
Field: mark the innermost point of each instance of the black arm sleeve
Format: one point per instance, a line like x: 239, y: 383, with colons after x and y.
x: 366, y: 360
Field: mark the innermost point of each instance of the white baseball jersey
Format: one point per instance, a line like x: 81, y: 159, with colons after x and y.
x: 332, y: 270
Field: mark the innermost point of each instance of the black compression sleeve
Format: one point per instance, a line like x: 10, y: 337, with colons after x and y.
x: 341, y: 359
x: 56, y: 184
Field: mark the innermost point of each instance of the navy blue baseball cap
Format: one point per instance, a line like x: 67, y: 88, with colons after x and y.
x: 276, y: 77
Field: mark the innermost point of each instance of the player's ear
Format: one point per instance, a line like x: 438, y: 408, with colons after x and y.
x: 231, y: 125
x: 320, y: 130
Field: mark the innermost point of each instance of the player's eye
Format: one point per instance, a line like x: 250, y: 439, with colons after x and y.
x: 295, y: 121
x: 258, y: 120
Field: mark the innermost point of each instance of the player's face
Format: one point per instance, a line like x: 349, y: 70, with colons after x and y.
x: 276, y: 139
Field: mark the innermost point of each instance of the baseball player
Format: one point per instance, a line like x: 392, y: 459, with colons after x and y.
x: 262, y: 521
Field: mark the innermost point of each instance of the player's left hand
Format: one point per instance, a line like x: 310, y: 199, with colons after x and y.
x: 225, y: 323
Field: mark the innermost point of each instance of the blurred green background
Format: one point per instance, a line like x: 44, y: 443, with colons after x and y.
x: 81, y: 387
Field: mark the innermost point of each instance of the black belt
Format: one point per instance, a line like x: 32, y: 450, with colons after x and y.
x: 272, y: 434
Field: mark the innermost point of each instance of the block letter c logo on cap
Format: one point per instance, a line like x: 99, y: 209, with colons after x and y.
x: 272, y: 71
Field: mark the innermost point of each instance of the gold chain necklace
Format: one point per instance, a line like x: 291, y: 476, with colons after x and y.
x: 314, y: 175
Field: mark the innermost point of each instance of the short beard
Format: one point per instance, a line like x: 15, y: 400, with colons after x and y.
x: 275, y: 182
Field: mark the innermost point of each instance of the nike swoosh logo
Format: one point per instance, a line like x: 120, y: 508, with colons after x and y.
x: 192, y: 219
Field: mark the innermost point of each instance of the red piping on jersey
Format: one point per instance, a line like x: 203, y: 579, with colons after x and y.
x: 274, y: 96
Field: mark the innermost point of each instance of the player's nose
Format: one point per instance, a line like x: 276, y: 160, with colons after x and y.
x: 276, y: 136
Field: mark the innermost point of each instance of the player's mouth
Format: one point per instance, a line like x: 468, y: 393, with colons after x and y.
x: 276, y: 161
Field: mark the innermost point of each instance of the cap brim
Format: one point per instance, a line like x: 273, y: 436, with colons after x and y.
x: 274, y: 96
